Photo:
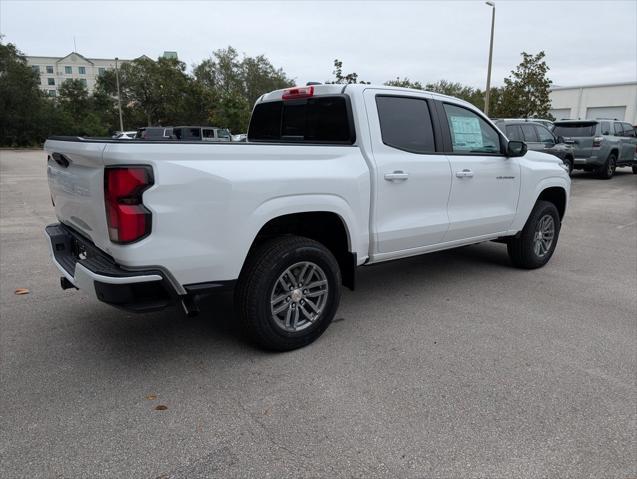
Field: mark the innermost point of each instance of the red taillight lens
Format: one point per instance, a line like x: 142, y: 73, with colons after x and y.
x: 128, y: 220
x: 298, y: 92
x: 597, y: 141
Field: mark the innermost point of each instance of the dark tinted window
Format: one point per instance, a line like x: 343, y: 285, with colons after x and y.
x: 529, y: 133
x: 405, y: 123
x: 208, y: 133
x: 629, y: 130
x: 544, y: 135
x: 470, y: 133
x: 315, y: 120
x: 514, y: 133
x: 574, y: 129
x: 618, y: 129
x: 605, y: 127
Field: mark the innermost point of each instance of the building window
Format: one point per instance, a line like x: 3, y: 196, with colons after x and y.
x: 101, y: 70
x: 49, y: 69
x: 83, y: 80
x: 35, y: 68
x: 81, y: 70
x: 52, y: 93
x: 68, y: 70
x: 50, y: 81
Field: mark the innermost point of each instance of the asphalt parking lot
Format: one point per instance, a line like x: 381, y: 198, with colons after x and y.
x: 446, y: 365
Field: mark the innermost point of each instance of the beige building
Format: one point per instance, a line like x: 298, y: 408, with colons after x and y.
x: 55, y: 70
x: 608, y: 100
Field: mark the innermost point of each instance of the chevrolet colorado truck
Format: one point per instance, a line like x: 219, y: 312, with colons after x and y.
x: 331, y: 178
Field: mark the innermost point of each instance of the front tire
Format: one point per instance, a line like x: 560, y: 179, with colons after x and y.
x: 569, y: 163
x: 288, y: 292
x: 634, y: 170
x: 607, y: 170
x: 536, y: 243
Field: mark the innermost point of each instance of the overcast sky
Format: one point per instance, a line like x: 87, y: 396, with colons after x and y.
x: 585, y: 41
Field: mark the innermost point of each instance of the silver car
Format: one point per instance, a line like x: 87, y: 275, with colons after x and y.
x: 600, y: 145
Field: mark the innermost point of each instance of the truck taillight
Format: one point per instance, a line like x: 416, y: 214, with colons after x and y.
x: 597, y: 141
x: 298, y: 92
x: 127, y: 218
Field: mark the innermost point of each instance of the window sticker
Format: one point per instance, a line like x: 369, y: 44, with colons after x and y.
x: 467, y: 134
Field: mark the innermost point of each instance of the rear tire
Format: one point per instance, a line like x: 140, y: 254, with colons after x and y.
x: 634, y: 170
x: 271, y: 317
x: 607, y: 170
x: 536, y: 243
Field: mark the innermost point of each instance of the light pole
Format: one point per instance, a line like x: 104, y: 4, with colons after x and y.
x: 119, y: 98
x: 488, y: 90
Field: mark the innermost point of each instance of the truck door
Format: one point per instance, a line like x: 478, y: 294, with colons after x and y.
x: 485, y: 183
x: 412, y: 180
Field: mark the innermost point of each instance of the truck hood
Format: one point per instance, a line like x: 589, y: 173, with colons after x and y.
x: 542, y: 157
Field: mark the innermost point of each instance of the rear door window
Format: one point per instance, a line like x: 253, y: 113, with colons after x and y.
x: 605, y: 127
x: 405, y: 123
x: 575, y: 129
x: 619, y: 130
x: 514, y: 132
x: 529, y: 133
x: 544, y: 135
x: 208, y: 133
x: 323, y: 119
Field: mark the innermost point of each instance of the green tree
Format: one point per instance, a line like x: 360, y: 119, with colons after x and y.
x: 340, y: 78
x: 526, y: 91
x: 230, y: 85
x: 405, y: 83
x: 83, y: 117
x: 25, y: 116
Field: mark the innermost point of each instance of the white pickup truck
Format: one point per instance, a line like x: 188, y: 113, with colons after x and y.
x: 332, y: 178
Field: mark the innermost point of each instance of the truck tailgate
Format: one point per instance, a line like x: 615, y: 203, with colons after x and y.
x: 76, y: 180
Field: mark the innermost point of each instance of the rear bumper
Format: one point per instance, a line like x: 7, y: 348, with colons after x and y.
x: 88, y: 268
x: 594, y: 160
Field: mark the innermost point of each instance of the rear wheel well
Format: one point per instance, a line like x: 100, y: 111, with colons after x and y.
x: 557, y: 196
x: 325, y: 227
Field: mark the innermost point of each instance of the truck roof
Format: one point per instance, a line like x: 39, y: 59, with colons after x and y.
x: 338, y: 89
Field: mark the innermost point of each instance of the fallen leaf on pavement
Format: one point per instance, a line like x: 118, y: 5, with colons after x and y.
x: 22, y: 291
x: 161, y: 407
x: 151, y: 397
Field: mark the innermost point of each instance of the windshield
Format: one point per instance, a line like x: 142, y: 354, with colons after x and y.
x: 575, y: 129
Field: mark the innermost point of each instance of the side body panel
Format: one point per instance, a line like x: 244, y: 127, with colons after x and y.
x: 210, y: 200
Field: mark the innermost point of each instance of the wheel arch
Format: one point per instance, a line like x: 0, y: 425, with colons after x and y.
x: 329, y: 226
x: 557, y: 196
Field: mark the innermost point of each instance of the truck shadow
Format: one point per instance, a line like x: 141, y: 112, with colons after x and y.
x: 214, y: 335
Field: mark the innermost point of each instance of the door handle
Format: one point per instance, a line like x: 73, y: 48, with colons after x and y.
x: 466, y: 173
x: 397, y: 176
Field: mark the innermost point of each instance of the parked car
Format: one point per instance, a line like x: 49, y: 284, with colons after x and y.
x: 125, y: 135
x: 155, y: 133
x: 547, y: 123
x: 600, y: 145
x: 202, y: 133
x: 333, y: 177
x: 539, y: 138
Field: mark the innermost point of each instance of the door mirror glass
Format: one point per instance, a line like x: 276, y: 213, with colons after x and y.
x: 516, y: 148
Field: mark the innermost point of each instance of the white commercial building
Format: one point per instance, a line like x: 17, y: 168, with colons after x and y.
x: 54, y: 71
x: 608, y: 100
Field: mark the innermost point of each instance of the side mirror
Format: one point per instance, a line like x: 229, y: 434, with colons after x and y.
x: 516, y: 148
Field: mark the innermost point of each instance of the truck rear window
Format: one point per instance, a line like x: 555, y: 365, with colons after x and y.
x: 575, y: 129
x: 315, y: 120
